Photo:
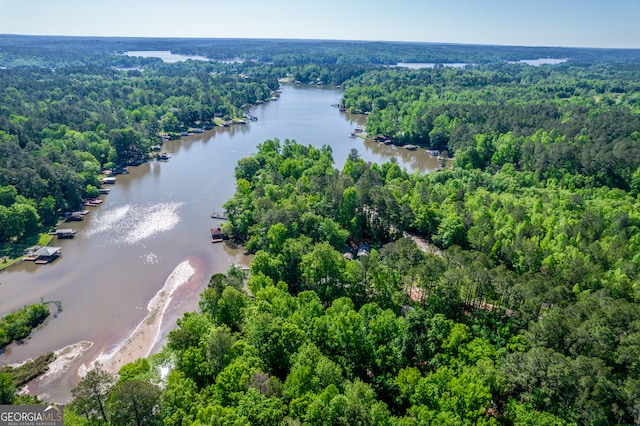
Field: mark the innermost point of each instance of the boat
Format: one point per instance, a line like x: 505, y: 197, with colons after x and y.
x: 104, y: 190
x: 163, y: 156
x: 108, y: 180
x: 410, y: 147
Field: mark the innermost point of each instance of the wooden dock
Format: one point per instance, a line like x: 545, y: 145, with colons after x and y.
x: 216, y: 215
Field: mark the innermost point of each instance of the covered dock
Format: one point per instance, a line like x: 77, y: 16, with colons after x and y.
x: 65, y: 233
x: 217, y: 236
x: 44, y: 255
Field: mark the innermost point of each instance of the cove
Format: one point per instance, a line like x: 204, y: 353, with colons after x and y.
x: 156, y: 219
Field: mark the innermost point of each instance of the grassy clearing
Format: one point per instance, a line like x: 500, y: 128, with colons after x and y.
x: 12, y: 253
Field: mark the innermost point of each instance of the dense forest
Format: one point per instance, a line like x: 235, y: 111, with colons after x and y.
x: 502, y: 291
x: 521, y: 309
x: 51, y: 51
x: 572, y: 123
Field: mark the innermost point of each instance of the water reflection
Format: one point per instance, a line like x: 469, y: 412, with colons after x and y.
x: 131, y: 225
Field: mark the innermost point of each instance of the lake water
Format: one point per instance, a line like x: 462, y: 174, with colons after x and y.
x: 165, y: 55
x: 539, y: 61
x: 156, y: 218
x: 534, y: 62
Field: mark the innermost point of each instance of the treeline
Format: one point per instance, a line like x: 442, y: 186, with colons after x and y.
x: 18, y: 325
x: 573, y: 123
x: 52, y: 51
x: 524, y: 312
x: 60, y: 128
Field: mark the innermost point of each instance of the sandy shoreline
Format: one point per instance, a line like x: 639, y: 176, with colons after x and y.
x: 142, y: 340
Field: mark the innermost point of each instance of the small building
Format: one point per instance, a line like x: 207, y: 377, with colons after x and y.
x: 65, y: 233
x: 110, y: 180
x: 47, y: 254
x: 75, y: 216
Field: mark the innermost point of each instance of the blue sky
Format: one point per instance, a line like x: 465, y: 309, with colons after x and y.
x: 585, y: 23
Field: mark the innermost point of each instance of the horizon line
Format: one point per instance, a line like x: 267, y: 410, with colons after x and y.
x: 148, y: 37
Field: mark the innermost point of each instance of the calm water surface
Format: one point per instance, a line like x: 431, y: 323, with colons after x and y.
x: 165, y: 55
x: 159, y: 216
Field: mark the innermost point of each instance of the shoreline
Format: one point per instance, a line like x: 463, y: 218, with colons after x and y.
x: 141, y: 341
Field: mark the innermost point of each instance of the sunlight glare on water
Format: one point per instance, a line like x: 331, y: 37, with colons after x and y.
x: 126, y: 226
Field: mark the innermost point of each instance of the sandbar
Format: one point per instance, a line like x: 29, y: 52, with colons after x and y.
x: 143, y: 338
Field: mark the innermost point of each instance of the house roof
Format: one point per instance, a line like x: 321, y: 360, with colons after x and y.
x: 47, y: 251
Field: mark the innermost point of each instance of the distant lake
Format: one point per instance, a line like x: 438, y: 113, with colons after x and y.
x: 539, y: 61
x: 165, y: 55
x: 534, y: 62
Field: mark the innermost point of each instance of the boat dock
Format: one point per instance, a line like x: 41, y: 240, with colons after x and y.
x: 43, y: 255
x: 64, y: 233
x: 217, y: 236
x: 216, y: 215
